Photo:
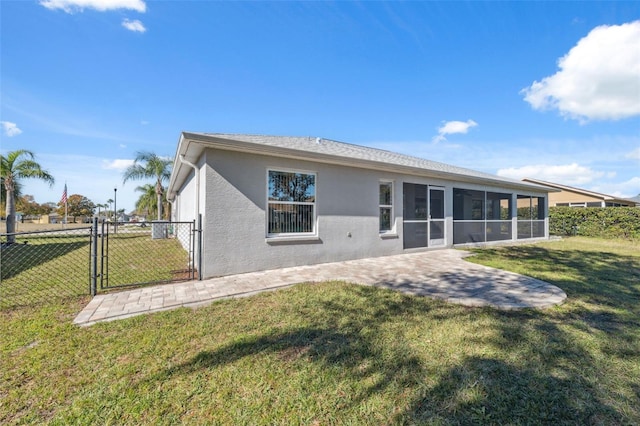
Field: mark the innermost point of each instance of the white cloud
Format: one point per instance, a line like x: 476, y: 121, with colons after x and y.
x: 10, y: 129
x: 598, y: 78
x: 567, y: 174
x: 453, y: 127
x: 117, y: 164
x: 627, y: 189
x: 71, y: 6
x: 634, y: 155
x: 135, y: 25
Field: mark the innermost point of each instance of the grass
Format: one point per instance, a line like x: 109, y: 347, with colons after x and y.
x: 32, y: 227
x: 336, y: 353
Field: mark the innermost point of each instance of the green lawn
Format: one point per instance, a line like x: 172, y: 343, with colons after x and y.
x: 336, y: 353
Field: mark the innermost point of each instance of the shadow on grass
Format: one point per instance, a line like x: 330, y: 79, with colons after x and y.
x: 491, y: 391
x: 44, y: 266
x: 549, y: 376
x: 609, y: 282
x: 341, y: 336
x: 603, y: 306
x: 24, y: 255
x: 545, y: 384
x: 559, y: 366
x: 597, y: 277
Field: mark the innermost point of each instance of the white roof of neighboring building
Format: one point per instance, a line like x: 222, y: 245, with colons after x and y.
x: 191, y: 146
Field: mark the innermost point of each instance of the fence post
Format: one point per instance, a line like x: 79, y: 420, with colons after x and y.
x: 94, y: 257
x: 199, y: 231
x: 104, y: 235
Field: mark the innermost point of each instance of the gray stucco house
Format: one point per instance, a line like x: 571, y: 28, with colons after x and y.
x: 271, y: 201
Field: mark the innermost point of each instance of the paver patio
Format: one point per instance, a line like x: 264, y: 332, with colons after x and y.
x: 441, y: 274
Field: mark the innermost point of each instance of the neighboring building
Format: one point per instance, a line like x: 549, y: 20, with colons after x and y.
x: 575, y: 197
x: 123, y: 217
x: 269, y: 202
x: 134, y: 216
x: 39, y: 219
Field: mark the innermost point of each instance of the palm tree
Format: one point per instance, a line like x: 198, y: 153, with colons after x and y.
x: 99, y: 206
x: 18, y: 165
x: 148, y: 202
x: 148, y: 165
x: 109, y: 202
x: 17, y: 193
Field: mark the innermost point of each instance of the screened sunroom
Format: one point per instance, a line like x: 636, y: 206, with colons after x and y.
x: 487, y: 216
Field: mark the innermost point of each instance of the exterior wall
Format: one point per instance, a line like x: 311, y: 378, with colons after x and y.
x: 41, y: 219
x: 184, y: 204
x: 234, y: 188
x: 347, y: 199
x: 571, y: 197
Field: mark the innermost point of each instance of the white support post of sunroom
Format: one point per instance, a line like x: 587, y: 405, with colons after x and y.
x: 514, y: 216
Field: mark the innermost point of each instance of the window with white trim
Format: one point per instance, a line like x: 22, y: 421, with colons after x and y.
x: 386, y: 206
x: 291, y: 199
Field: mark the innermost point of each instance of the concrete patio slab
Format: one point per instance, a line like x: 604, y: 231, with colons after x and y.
x: 440, y: 274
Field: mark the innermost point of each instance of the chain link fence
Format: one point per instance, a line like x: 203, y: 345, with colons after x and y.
x: 44, y: 265
x: 47, y: 266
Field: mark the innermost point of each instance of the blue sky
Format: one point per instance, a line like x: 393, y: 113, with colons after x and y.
x: 548, y: 90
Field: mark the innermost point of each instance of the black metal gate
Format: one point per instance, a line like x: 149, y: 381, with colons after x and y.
x: 133, y: 254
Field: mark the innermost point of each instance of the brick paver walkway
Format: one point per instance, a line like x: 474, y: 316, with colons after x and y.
x: 441, y: 274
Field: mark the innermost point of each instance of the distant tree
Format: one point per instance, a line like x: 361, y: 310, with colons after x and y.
x: 17, y: 165
x: 25, y: 204
x: 148, y: 165
x: 109, y: 202
x: 101, y: 206
x: 28, y: 206
x: 291, y: 188
x: 49, y: 206
x: 77, y: 205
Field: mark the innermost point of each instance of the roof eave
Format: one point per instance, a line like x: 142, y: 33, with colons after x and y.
x: 191, y: 150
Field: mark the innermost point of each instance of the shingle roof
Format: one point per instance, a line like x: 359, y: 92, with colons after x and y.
x: 316, y: 148
x: 347, y: 150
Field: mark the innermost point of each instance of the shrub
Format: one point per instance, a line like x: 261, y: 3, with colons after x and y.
x: 612, y: 222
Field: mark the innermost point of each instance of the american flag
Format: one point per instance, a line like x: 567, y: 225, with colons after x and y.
x: 63, y: 200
